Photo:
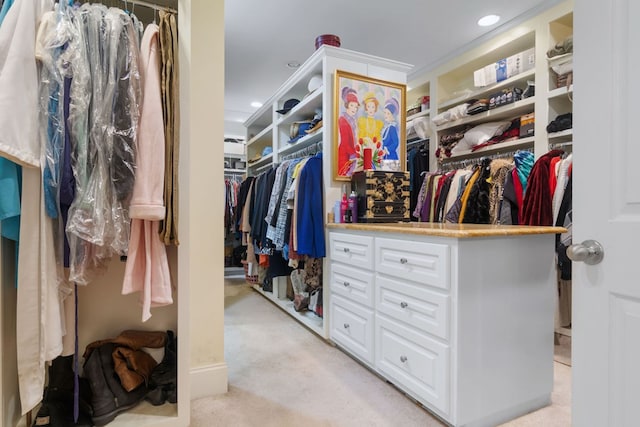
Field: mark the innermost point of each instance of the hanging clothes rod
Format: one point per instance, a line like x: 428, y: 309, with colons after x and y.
x: 150, y: 5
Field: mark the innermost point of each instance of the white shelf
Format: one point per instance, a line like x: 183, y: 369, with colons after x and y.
x: 302, y: 143
x: 492, y: 149
x: 511, y: 111
x: 561, y: 139
x: 305, y: 110
x: 560, y: 59
x: 561, y: 91
x: 424, y: 113
x: 309, y: 319
x: 234, y: 170
x: 263, y: 161
x: 488, y: 90
x: 563, y: 134
x: 260, y: 136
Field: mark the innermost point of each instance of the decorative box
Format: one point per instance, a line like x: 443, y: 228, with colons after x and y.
x: 504, y: 97
x: 527, y: 124
x: 383, y: 196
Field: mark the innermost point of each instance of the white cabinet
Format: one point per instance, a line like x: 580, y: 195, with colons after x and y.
x: 352, y: 327
x: 421, y: 262
x: 415, y: 362
x: 425, y: 309
x: 352, y: 294
x: 462, y: 316
x: 268, y: 131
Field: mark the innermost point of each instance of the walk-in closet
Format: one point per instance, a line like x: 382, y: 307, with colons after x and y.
x: 94, y: 110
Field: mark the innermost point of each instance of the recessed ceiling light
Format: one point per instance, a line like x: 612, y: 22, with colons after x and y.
x: 485, y: 21
x: 293, y: 64
x: 256, y: 104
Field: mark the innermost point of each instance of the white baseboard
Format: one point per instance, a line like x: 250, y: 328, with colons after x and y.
x: 209, y: 380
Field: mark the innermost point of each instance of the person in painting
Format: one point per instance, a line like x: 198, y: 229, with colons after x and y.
x: 390, y: 136
x: 347, y: 132
x: 368, y: 125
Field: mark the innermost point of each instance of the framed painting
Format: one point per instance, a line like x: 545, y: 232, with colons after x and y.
x: 369, y: 122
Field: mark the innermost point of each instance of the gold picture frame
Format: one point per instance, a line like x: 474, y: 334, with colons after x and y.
x: 369, y: 125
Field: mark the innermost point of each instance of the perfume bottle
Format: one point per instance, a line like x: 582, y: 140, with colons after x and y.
x: 344, y: 205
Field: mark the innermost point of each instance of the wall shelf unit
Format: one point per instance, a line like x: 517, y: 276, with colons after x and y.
x: 452, y: 83
x: 267, y: 127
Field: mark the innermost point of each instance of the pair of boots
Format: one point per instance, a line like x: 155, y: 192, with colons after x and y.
x: 114, y: 393
x: 56, y: 409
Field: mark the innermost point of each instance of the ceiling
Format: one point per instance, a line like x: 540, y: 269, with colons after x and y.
x: 261, y: 37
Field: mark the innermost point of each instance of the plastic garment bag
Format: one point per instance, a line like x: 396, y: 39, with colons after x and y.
x: 104, y: 155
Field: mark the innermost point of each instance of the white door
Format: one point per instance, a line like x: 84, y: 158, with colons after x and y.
x: 606, y: 208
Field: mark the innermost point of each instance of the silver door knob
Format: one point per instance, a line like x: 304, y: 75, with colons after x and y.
x: 590, y: 252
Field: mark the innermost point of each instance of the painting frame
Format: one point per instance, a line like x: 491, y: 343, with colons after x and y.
x: 373, y: 142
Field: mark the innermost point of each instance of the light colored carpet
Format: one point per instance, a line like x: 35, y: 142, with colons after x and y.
x: 281, y: 374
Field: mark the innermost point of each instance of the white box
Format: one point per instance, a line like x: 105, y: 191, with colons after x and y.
x: 521, y: 62
x: 478, y: 78
x: 490, y: 74
x: 528, y: 59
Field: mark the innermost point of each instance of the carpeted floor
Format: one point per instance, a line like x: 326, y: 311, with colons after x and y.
x: 281, y: 374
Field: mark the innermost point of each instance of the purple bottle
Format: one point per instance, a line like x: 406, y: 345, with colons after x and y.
x: 353, y: 206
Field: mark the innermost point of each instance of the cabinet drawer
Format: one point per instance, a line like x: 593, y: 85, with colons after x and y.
x: 414, y: 362
x: 418, y: 261
x: 352, y: 249
x: 352, y: 283
x: 352, y: 328
x: 422, y: 308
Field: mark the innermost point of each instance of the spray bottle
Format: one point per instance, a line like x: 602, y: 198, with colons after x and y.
x: 353, y: 206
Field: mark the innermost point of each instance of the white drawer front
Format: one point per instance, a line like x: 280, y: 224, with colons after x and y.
x: 420, y: 307
x: 418, y: 261
x: 352, y: 249
x: 352, y: 327
x: 414, y: 362
x: 352, y: 283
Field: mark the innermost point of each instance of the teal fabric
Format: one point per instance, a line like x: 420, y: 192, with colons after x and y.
x: 10, y: 186
x: 10, y: 175
x: 5, y: 9
x: 524, y: 161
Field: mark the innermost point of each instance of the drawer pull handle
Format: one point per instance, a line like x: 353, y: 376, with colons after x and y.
x: 345, y: 249
x: 346, y: 284
x: 403, y: 261
x: 404, y: 304
x: 403, y: 359
x: 346, y: 326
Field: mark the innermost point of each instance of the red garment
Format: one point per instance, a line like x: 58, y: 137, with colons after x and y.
x: 347, y: 147
x: 517, y: 188
x: 537, y: 203
x: 553, y: 176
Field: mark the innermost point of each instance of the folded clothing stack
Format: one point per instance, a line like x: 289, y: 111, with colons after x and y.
x: 560, y: 123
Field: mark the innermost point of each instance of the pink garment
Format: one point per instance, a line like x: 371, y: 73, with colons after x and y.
x: 147, y: 269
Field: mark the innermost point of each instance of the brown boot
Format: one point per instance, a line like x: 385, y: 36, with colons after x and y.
x: 133, y: 367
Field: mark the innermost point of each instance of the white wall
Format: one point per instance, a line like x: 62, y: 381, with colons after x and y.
x: 201, y: 254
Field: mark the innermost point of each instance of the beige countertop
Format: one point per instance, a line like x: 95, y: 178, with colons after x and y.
x: 448, y: 230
